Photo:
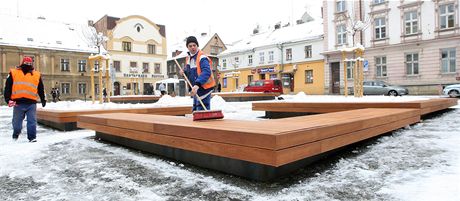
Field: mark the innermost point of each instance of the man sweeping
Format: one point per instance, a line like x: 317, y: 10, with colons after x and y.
x: 198, y: 70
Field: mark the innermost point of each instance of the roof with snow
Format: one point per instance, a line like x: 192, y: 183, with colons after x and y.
x: 44, y: 34
x: 306, y: 31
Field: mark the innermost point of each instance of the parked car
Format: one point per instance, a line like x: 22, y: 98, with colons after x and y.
x: 265, y: 86
x: 452, y: 90
x: 383, y: 88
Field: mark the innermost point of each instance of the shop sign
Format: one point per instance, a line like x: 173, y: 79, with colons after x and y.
x: 266, y: 70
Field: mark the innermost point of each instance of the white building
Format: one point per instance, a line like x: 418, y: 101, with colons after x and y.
x: 411, y: 43
x: 290, y: 53
x: 138, y: 51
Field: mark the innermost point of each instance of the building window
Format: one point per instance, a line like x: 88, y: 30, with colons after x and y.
x: 273, y: 76
x: 96, y: 66
x: 224, y: 63
x: 133, y: 67
x: 411, y: 22
x: 289, y: 54
x: 128, y: 86
x: 447, y: 16
x: 215, y: 50
x: 81, y: 88
x: 412, y: 64
x: 380, y: 29
x: 116, y: 65
x: 309, y: 76
x: 126, y: 46
x: 261, y: 57
x: 308, y: 51
x: 271, y: 57
x: 340, y: 6
x: 81, y: 65
x: 236, y: 62
x: 145, y: 67
x: 224, y: 81
x: 378, y: 1
x: 65, y: 88
x: 350, y: 69
x: 65, y: 65
x: 250, y: 78
x: 250, y: 60
x: 341, y: 34
x: 157, y: 68
x: 151, y: 49
x: 381, y: 66
x: 448, y: 60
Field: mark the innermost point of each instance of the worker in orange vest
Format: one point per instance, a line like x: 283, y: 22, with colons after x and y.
x: 199, y: 72
x: 22, y: 88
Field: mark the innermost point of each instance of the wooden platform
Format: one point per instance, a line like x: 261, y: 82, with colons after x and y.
x: 135, y: 99
x: 260, y: 150
x: 246, y: 96
x: 66, y: 120
x: 287, y: 109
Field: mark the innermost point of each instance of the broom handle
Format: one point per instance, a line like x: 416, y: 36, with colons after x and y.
x: 190, y: 84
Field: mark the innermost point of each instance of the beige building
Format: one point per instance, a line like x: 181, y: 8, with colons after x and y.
x: 415, y: 44
x: 137, y: 47
x: 59, y: 50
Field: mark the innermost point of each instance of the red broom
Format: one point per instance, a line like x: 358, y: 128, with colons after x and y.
x: 206, y: 114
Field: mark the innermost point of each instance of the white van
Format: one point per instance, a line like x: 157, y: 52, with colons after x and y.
x: 174, y: 87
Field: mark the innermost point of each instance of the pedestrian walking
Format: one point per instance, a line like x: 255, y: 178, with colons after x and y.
x: 22, y: 88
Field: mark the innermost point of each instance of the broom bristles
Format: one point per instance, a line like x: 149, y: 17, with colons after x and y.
x: 210, y: 114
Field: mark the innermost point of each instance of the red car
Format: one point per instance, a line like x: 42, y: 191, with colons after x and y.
x: 266, y: 86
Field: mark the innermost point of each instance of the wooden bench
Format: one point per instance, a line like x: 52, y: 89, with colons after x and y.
x: 246, y: 96
x: 66, y: 120
x: 260, y: 150
x: 288, y: 109
x: 135, y: 99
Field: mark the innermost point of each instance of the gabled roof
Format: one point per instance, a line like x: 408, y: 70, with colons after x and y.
x: 306, y: 31
x: 202, y: 41
x: 44, y: 34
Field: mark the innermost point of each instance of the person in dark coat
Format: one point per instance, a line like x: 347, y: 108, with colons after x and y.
x: 22, y: 88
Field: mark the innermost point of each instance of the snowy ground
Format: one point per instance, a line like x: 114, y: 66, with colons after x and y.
x: 421, y: 162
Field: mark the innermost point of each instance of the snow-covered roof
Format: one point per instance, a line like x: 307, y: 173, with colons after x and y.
x: 202, y: 41
x: 44, y: 34
x: 310, y: 30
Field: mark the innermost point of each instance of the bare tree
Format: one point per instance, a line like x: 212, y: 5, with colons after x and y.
x: 93, y: 38
x: 355, y: 25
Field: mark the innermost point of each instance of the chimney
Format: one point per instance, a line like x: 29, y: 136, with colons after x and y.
x: 299, y: 22
x: 278, y: 25
x: 203, y: 34
x: 41, y: 18
x: 90, y: 23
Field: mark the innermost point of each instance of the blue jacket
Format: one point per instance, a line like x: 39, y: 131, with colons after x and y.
x: 192, y: 74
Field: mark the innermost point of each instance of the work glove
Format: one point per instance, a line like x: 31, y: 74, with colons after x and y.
x: 11, y: 103
x: 43, y: 103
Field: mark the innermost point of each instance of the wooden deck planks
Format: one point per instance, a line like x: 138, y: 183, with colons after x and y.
x: 270, y: 142
x: 426, y: 106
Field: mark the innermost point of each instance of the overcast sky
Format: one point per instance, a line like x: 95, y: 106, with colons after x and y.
x: 231, y: 19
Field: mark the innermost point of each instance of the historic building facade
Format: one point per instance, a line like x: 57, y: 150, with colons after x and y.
x: 415, y: 44
x: 137, y: 47
x: 289, y: 53
x: 60, y: 52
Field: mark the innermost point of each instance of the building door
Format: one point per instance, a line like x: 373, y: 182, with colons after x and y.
x: 116, y: 89
x: 335, y: 78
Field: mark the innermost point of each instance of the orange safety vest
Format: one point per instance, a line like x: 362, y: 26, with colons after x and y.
x: 211, y: 82
x: 25, y: 86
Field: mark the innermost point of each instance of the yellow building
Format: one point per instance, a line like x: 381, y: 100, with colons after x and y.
x: 277, y: 54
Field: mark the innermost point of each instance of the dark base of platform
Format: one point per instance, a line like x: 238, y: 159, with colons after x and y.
x: 245, y: 169
x: 279, y: 115
x: 242, y: 99
x: 60, y: 126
